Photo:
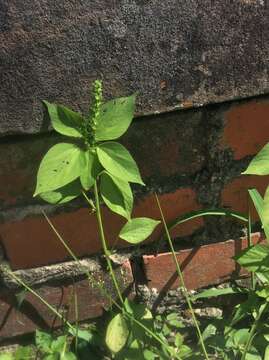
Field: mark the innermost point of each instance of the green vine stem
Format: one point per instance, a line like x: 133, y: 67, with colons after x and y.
x: 185, y: 291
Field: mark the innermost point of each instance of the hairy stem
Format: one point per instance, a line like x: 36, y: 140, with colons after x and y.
x: 185, y: 291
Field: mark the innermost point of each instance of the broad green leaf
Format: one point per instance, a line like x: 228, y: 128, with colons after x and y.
x: 138, y: 229
x: 117, y: 160
x: 64, y: 120
x: 259, y: 165
x: 209, y: 331
x: 51, y: 357
x: 63, y: 195
x: 59, y: 167
x: 68, y: 356
x: 6, y: 356
x: 43, y: 341
x: 241, y: 337
x: 213, y: 292
x: 59, y: 344
x: 255, y: 259
x: 117, y: 195
x: 116, y: 334
x: 81, y: 334
x: 24, y: 353
x: 90, y: 169
x: 115, y: 118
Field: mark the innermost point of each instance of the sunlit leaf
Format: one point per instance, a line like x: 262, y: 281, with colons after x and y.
x: 138, y: 229
x: 116, y: 334
x: 117, y: 160
x: 60, y: 166
x: 64, y: 120
x: 259, y: 165
x: 116, y: 116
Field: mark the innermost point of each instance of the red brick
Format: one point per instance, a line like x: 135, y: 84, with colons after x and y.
x: 235, y: 194
x: 247, y: 128
x: 33, y: 314
x: 31, y: 242
x: 201, y: 266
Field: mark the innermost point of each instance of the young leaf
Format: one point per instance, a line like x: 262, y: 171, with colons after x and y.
x: 115, y: 118
x: 90, y: 169
x: 259, y: 165
x: 117, y: 195
x: 64, y: 120
x: 64, y: 194
x: 117, y: 160
x: 116, y: 334
x: 138, y: 229
x: 60, y: 166
x: 43, y: 341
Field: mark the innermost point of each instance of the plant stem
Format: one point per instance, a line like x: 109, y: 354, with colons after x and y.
x: 253, y: 329
x: 103, y: 240
x: 28, y: 288
x: 185, y: 291
x: 101, y: 288
x: 252, y: 275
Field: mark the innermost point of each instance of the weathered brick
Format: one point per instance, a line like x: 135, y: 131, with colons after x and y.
x: 235, y: 194
x: 30, y: 242
x: 201, y: 266
x: 33, y: 314
x: 246, y: 128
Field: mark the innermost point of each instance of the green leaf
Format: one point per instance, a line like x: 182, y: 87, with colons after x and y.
x: 24, y: 353
x: 116, y: 334
x: 138, y: 229
x: 63, y: 195
x: 254, y: 258
x: 206, y: 212
x: 115, y: 118
x: 90, y: 169
x: 68, y: 356
x: 64, y: 120
x: 60, y: 166
x: 209, y: 331
x: 6, y: 356
x: 259, y: 165
x: 43, y: 341
x: 266, y: 354
x: 117, y: 195
x: 265, y: 214
x: 262, y: 209
x: 117, y: 160
x: 59, y: 344
x: 214, y: 292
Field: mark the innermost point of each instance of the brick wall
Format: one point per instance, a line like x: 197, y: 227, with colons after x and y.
x: 202, y: 113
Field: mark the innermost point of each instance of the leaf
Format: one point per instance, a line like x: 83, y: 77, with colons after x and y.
x: 206, y: 212
x: 6, y: 356
x: 115, y: 118
x: 214, y: 292
x: 59, y: 344
x: 68, y: 356
x: 259, y: 165
x: 138, y: 229
x: 24, y: 353
x: 116, y: 334
x: 90, y: 169
x: 64, y: 120
x: 117, y: 160
x: 255, y: 258
x: 261, y: 208
x: 265, y: 214
x: 209, y: 331
x: 266, y: 354
x: 43, y: 341
x: 60, y: 166
x: 117, y: 195
x: 63, y: 195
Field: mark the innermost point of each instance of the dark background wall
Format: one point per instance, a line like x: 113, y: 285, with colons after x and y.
x: 201, y: 70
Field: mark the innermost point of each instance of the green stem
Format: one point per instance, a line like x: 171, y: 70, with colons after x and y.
x: 52, y: 309
x: 185, y: 291
x: 101, y: 288
x: 103, y: 240
x: 249, y: 239
x: 253, y: 329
